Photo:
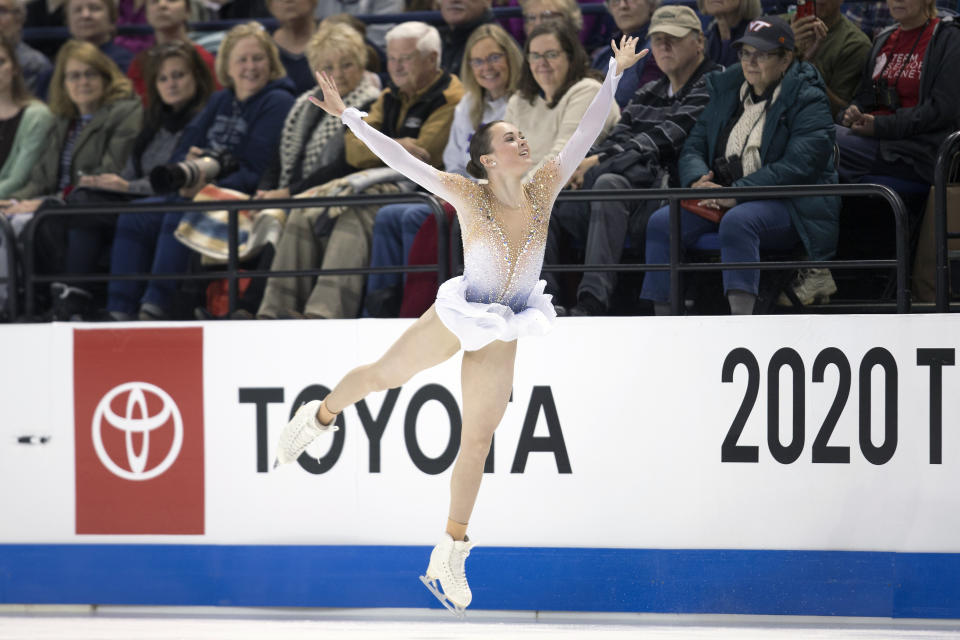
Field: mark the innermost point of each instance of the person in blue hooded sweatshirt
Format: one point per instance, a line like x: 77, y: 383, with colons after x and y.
x: 767, y: 123
x: 239, y: 123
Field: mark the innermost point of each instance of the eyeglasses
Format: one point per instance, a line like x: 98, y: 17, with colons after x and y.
x: 543, y: 16
x: 626, y: 3
x: 6, y: 11
x: 549, y: 56
x: 758, y: 57
x: 493, y: 58
x: 77, y: 76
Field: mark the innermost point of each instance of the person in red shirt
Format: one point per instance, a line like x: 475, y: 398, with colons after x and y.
x: 908, y: 100
x: 169, y: 21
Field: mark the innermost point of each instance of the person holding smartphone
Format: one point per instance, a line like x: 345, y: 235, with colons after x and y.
x: 835, y: 46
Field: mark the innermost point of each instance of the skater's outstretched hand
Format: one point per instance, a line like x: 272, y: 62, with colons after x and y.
x: 626, y: 55
x: 331, y: 103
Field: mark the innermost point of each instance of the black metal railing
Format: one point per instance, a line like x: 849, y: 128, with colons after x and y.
x: 232, y: 271
x: 676, y: 266
x: 941, y: 177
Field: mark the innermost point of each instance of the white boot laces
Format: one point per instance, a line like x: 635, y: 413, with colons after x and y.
x: 458, y: 561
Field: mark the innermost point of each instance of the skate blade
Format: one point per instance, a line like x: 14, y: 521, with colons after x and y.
x: 276, y: 462
x: 458, y: 611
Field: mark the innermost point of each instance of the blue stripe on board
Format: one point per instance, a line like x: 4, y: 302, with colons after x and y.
x: 843, y: 583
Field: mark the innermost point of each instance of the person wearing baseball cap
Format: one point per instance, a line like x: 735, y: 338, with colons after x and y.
x: 677, y: 43
x: 768, y: 33
x: 768, y: 123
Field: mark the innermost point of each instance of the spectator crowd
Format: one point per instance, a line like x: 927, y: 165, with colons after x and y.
x: 730, y: 95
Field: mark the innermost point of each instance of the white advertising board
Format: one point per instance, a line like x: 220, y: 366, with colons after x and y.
x: 700, y: 433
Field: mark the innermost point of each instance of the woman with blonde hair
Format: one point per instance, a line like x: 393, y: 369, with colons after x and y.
x: 730, y: 20
x: 311, y: 150
x: 491, y: 69
x: 239, y: 124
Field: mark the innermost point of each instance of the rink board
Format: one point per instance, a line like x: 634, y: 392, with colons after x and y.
x: 792, y: 465
x: 818, y: 583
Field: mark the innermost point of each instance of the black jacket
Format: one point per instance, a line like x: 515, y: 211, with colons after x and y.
x: 914, y: 134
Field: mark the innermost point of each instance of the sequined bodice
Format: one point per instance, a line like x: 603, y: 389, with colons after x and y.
x: 499, y: 268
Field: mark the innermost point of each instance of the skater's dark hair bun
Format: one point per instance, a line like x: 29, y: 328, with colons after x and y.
x: 480, y: 146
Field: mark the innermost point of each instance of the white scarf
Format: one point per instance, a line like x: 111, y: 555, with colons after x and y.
x: 304, y: 134
x: 747, y: 134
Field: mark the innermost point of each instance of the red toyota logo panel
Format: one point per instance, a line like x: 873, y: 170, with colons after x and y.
x: 138, y: 420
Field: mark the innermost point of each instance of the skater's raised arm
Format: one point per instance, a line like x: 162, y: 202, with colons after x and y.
x: 386, y: 148
x: 624, y: 57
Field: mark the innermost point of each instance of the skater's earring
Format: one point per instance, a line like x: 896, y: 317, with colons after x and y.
x: 488, y: 162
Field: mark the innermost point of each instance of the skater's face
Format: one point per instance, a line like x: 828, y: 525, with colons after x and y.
x: 509, y: 151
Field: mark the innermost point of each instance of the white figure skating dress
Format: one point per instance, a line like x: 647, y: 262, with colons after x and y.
x: 500, y: 294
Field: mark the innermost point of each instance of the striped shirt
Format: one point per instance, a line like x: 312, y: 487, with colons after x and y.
x: 656, y: 123
x: 66, y: 154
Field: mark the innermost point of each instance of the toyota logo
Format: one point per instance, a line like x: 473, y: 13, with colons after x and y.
x: 144, y: 424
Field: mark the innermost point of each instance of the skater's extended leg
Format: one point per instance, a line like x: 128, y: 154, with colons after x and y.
x: 425, y: 344
x: 487, y: 379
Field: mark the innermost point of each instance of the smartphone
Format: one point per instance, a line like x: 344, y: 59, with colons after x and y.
x: 806, y: 8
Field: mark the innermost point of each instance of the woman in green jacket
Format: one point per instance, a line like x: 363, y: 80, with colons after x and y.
x: 97, y: 119
x: 767, y: 123
x: 24, y: 123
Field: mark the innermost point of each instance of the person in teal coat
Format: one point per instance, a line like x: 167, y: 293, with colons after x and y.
x: 767, y: 123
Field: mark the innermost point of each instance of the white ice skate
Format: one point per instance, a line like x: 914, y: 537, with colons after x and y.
x: 302, y: 429
x: 447, y: 565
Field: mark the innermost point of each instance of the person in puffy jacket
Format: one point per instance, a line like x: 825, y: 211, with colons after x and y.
x: 767, y: 123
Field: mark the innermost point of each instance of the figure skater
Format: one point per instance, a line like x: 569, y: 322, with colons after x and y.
x: 497, y: 299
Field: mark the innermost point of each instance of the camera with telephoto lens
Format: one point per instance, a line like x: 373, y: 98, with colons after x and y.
x: 885, y: 96
x: 728, y: 170
x: 208, y: 167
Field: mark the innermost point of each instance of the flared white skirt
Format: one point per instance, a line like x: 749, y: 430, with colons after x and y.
x: 477, y: 324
